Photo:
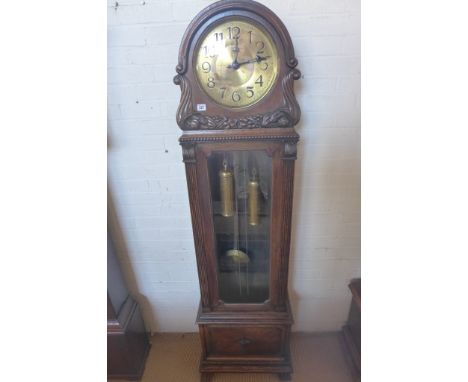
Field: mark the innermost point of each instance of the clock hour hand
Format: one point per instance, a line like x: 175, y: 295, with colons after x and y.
x: 235, y: 49
x: 236, y: 65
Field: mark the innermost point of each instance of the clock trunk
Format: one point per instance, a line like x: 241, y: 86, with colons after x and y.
x: 240, y: 189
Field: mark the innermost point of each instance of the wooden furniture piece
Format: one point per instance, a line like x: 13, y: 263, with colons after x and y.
x: 352, y: 329
x: 237, y: 111
x: 127, y: 340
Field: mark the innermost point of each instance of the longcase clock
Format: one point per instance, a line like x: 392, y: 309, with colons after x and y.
x: 237, y: 111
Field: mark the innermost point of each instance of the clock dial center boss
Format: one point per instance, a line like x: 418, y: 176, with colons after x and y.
x: 236, y: 63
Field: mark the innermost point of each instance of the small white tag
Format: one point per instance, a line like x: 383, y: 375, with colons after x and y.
x: 201, y: 107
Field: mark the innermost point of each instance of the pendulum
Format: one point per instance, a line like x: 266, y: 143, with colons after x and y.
x: 237, y: 256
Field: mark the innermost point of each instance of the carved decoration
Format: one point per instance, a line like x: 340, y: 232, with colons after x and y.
x: 290, y: 102
x: 278, y: 118
x: 202, y: 139
x: 290, y: 150
x: 185, y: 106
x: 288, y: 115
x: 188, y: 152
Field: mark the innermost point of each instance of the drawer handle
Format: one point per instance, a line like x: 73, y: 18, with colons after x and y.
x: 244, y: 341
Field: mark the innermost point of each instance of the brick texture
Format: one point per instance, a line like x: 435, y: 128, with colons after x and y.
x: 147, y: 178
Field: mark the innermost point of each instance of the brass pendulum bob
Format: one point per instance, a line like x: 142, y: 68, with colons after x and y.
x: 253, y: 199
x: 226, y: 185
x: 238, y: 256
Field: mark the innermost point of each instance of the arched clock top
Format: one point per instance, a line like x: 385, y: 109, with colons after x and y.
x: 207, y: 15
x: 260, y: 99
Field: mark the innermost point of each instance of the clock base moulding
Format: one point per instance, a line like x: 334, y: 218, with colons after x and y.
x: 246, y: 342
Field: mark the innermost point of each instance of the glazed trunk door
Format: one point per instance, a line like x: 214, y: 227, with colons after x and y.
x: 239, y: 208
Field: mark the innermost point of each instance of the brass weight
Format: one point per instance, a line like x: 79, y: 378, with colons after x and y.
x: 253, y: 200
x: 226, y: 185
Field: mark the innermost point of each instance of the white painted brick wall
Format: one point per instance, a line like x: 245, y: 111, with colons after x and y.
x: 147, y: 177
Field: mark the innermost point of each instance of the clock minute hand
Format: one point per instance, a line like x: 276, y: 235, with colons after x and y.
x: 236, y: 64
x: 236, y: 49
x: 256, y: 59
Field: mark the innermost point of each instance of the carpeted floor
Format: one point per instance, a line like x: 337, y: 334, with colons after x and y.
x: 316, y: 358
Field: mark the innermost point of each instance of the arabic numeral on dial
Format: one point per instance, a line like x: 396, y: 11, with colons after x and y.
x: 250, y: 92
x: 219, y: 36
x: 205, y: 49
x: 236, y: 97
x: 259, y: 80
x: 234, y: 32
x: 250, y: 37
x: 260, y: 46
x: 210, y: 83
x: 264, y: 65
x: 223, y: 91
x: 206, y: 67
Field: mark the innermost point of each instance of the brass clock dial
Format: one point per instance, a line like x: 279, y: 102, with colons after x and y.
x: 236, y: 63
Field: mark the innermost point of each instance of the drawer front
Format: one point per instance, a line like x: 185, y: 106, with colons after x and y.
x: 228, y: 341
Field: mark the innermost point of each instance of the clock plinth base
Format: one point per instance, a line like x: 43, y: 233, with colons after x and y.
x: 245, y: 342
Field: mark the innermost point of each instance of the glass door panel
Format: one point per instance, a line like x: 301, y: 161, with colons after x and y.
x: 240, y: 183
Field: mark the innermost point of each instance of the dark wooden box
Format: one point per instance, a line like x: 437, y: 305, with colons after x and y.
x: 352, y: 329
x: 127, y: 340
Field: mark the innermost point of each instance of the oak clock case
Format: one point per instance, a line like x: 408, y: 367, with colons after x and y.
x: 237, y: 111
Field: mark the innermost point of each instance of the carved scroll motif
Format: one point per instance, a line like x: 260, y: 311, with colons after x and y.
x: 290, y: 102
x: 185, y: 106
x: 287, y: 115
